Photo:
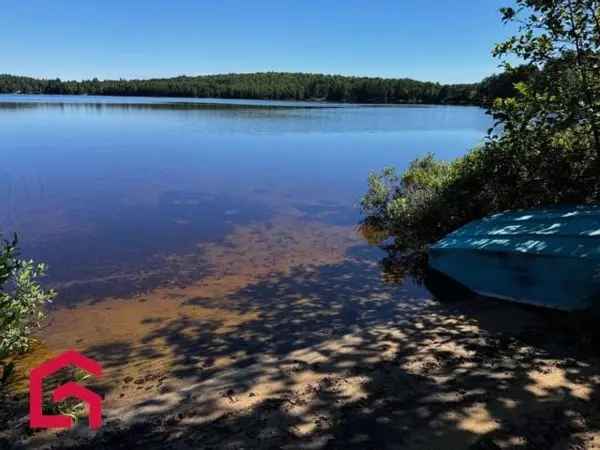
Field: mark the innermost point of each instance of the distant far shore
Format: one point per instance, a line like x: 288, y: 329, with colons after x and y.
x: 279, y: 86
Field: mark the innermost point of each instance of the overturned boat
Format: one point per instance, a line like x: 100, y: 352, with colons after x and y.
x: 543, y: 257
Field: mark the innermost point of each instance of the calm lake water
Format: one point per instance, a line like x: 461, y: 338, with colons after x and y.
x: 122, y: 195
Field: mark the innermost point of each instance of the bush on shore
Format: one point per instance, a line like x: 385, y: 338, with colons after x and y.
x: 21, y: 304
x: 543, y: 150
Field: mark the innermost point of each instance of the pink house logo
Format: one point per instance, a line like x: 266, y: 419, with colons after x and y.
x: 37, y: 419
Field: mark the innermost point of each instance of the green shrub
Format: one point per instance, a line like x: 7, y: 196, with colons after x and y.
x: 432, y: 198
x: 21, y: 303
x: 398, y: 204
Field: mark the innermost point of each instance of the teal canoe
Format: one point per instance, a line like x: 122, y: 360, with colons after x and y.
x: 543, y: 257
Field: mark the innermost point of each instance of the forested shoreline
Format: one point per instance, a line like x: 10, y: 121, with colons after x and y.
x: 281, y: 86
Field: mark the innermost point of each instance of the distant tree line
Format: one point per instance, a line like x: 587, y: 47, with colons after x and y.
x: 281, y: 86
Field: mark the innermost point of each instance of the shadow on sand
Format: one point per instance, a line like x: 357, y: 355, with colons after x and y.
x: 334, y: 358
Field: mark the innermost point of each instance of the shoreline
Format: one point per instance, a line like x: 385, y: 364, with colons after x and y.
x: 272, y: 353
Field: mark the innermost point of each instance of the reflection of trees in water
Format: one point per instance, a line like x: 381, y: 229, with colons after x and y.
x: 131, y: 105
x: 397, y: 266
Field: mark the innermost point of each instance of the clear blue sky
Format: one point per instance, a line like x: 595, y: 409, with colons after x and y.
x: 437, y: 40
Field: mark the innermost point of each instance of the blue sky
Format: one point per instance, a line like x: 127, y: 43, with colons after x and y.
x: 437, y: 40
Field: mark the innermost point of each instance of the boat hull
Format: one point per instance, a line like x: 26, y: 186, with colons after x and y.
x: 558, y: 283
x: 549, y: 261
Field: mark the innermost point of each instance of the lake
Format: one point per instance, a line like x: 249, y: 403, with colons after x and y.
x: 158, y: 214
x: 209, y: 250
x: 118, y: 195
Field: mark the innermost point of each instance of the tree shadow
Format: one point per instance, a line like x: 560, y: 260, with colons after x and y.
x: 332, y: 357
